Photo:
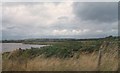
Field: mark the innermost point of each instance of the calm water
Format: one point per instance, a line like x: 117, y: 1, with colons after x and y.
x: 6, y: 47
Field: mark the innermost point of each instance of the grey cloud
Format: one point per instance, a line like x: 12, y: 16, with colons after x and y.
x: 101, y: 12
x: 29, y: 4
x: 63, y: 17
x: 33, y: 25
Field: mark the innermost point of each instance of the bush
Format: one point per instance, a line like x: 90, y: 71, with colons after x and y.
x: 62, y: 50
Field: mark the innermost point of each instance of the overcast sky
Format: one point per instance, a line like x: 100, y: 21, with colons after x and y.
x: 59, y: 20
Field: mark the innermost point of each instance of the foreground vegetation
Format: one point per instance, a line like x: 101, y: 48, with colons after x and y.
x: 86, y: 62
x: 69, y: 55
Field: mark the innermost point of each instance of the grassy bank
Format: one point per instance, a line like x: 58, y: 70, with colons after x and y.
x: 65, y: 56
x: 86, y: 62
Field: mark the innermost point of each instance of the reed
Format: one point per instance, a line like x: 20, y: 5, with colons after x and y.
x: 85, y: 62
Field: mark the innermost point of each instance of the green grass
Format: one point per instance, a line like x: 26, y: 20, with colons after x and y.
x: 61, y: 50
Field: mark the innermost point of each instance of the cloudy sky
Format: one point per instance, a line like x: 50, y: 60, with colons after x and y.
x: 59, y: 20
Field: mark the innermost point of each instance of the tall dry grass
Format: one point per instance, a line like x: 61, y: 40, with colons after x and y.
x: 85, y: 62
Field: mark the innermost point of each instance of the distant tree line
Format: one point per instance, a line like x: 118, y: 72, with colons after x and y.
x: 12, y: 41
x: 58, y: 40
